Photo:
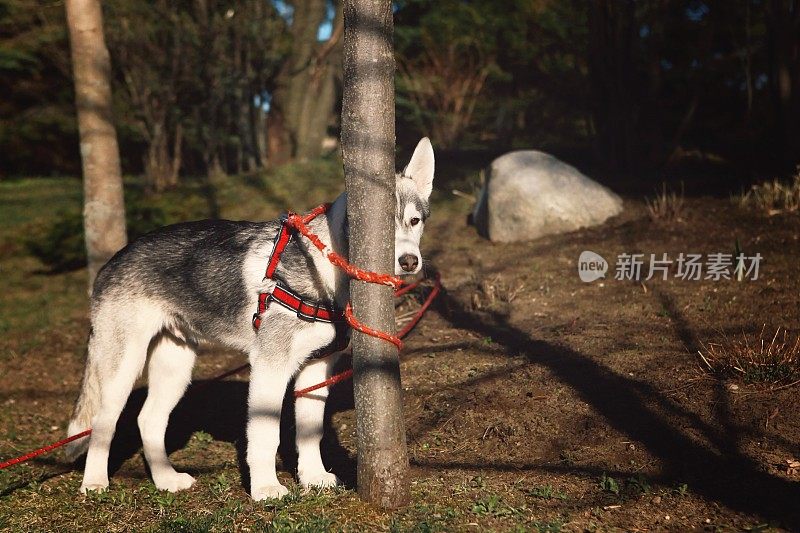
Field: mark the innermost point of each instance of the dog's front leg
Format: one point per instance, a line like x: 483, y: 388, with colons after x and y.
x: 309, y: 418
x: 283, y: 343
x: 267, y: 387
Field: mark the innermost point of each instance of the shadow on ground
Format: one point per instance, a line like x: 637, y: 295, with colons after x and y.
x: 721, y: 471
x: 219, y: 408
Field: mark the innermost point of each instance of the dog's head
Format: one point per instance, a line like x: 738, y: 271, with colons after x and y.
x: 414, y: 187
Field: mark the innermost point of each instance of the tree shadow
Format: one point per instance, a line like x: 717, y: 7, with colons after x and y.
x: 219, y: 408
x: 719, y: 470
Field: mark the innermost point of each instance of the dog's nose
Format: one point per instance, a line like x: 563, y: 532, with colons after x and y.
x: 408, y: 262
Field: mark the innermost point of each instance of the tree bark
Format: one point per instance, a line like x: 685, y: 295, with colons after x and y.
x: 368, y: 151
x: 302, y: 102
x: 784, y: 53
x: 611, y: 71
x: 104, y: 207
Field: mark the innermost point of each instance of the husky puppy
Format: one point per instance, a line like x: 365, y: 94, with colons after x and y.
x: 156, y: 298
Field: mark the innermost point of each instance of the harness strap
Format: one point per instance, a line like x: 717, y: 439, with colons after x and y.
x: 286, y: 297
x: 281, y: 240
x: 293, y: 302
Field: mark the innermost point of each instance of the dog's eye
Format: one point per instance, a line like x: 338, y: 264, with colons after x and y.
x: 414, y: 221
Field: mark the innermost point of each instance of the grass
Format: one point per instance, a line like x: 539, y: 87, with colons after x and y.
x: 772, y: 197
x: 43, y: 316
x: 666, y: 206
x: 765, y: 358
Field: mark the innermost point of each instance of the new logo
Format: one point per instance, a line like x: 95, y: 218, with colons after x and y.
x: 591, y: 266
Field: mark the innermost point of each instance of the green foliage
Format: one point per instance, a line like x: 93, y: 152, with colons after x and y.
x: 465, y: 64
x: 638, y: 483
x: 609, y: 484
x: 283, y: 523
x: 61, y: 246
x: 194, y: 74
x: 184, y: 525
x: 547, y: 492
x: 492, y: 505
x: 553, y: 526
x: 38, y: 131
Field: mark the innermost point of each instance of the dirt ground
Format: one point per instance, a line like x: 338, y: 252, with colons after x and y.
x: 533, y: 401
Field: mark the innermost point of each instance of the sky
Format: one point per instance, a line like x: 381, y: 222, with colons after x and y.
x: 325, y: 29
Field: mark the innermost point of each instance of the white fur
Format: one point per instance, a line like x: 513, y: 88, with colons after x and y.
x: 169, y: 373
x: 309, y: 416
x: 145, y: 322
x: 406, y: 236
x: 271, y: 369
x: 421, y: 167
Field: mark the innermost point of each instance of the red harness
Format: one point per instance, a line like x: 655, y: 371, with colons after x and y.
x: 281, y: 294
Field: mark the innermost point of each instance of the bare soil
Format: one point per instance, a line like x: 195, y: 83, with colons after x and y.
x: 533, y: 401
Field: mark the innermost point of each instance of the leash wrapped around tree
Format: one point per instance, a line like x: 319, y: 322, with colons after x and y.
x: 300, y: 223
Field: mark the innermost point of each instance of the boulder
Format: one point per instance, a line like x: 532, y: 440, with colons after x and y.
x: 529, y: 194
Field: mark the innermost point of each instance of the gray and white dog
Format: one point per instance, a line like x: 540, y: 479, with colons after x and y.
x: 195, y: 281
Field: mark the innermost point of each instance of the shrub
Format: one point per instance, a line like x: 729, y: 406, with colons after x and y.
x: 667, y: 206
x: 61, y: 246
x: 773, y: 197
x: 767, y: 359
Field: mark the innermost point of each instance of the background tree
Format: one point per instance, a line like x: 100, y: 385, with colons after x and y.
x: 443, y: 69
x: 626, y: 88
x: 302, y: 104
x: 196, y: 73
x: 38, y: 131
x: 783, y: 22
x: 104, y: 208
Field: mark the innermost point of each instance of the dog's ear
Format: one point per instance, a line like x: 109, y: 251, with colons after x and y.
x: 420, y: 168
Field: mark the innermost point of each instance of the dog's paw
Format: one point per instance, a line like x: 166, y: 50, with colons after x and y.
x: 319, y: 480
x: 174, y: 481
x: 269, y: 492
x: 93, y: 487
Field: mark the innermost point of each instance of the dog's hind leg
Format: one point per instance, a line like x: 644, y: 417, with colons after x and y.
x: 309, y: 416
x: 120, y: 350
x: 168, y: 374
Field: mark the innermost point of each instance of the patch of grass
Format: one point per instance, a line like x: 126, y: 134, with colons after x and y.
x: 609, y: 484
x: 202, y: 438
x: 772, y: 197
x: 492, y: 505
x: 495, y: 294
x: 546, y: 492
x: 425, y: 518
x: 184, y: 525
x: 681, y: 490
x: 666, y: 206
x: 755, y: 359
x: 638, y: 483
x: 221, y: 485
x: 553, y: 526
x: 312, y: 524
x: 161, y: 498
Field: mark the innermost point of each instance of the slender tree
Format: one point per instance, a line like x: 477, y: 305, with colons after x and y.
x: 368, y: 152
x: 104, y: 208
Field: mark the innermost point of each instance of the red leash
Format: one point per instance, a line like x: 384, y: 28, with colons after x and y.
x: 300, y: 224
x: 49, y: 448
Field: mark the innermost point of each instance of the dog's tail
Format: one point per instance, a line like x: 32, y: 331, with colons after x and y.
x: 85, y: 407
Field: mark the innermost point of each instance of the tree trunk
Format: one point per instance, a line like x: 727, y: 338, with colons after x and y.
x: 611, y: 69
x: 784, y: 52
x: 302, y: 102
x: 368, y: 151
x: 104, y: 206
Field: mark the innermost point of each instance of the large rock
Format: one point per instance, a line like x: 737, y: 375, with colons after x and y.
x: 529, y: 194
